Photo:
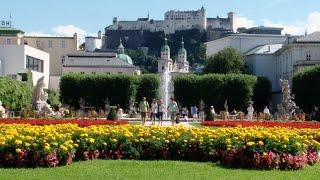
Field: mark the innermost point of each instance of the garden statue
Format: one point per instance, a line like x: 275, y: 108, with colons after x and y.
x: 250, y: 110
x: 2, y: 111
x: 39, y: 99
x: 287, y: 107
x: 201, y: 109
x: 226, y: 105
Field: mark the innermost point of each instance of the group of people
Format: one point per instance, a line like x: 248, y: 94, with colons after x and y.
x: 157, y: 109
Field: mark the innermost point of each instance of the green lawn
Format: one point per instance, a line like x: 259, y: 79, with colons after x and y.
x: 126, y: 169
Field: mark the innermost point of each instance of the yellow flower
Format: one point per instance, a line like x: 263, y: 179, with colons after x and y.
x: 250, y: 143
x: 18, y: 142
x: 91, y: 140
x: 18, y: 150
x: 260, y: 143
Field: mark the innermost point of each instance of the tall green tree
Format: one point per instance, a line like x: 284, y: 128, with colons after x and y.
x: 228, y: 60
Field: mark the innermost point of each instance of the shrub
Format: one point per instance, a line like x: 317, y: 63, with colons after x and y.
x: 209, y: 116
x: 54, y: 99
x: 215, y: 89
x: 112, y: 114
x: 306, y: 88
x: 261, y: 93
x: 95, y: 89
x: 148, y: 86
x: 15, y: 94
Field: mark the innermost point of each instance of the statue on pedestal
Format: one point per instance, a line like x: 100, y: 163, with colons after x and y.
x: 2, y: 111
x: 287, y: 107
x: 250, y: 110
x: 39, y: 99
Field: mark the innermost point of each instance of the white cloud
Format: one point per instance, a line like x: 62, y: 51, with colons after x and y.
x: 37, y: 33
x: 287, y: 29
x: 64, y: 30
x: 69, y: 30
x: 244, y: 22
x: 311, y: 24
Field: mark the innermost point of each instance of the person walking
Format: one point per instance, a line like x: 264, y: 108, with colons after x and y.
x: 173, y: 109
x: 144, y: 107
x: 153, y: 111
x: 194, y: 112
x: 160, y: 110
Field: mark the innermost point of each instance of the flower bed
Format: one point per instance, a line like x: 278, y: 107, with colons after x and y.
x: 291, y: 124
x: 79, y: 122
x: 24, y: 145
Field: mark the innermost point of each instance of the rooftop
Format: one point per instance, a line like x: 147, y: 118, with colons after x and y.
x: 265, y: 49
x: 9, y: 31
x: 95, y: 61
x: 311, y: 38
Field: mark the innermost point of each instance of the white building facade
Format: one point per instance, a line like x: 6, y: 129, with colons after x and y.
x: 93, y: 43
x: 16, y: 59
x: 176, y: 20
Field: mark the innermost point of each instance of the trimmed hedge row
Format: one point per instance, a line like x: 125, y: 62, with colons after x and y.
x: 215, y: 89
x: 262, y: 93
x: 15, y: 94
x: 95, y: 89
x: 306, y: 88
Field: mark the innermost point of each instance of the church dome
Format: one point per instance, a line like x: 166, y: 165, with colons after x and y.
x: 182, y: 50
x: 165, y: 47
x: 125, y: 58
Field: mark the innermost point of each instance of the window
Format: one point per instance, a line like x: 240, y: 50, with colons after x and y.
x: 38, y: 44
x: 34, y: 64
x: 93, y: 72
x: 50, y: 44
x: 63, y: 44
x: 8, y: 41
x: 81, y: 72
x: 308, y: 57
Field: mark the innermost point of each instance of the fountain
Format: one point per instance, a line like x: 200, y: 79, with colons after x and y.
x: 165, y: 88
x: 167, y: 68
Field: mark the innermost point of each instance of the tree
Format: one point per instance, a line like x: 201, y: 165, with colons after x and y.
x: 146, y: 63
x: 228, y: 60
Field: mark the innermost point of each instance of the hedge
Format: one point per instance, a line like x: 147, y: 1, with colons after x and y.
x: 95, y: 89
x: 215, y: 89
x: 306, y: 88
x: 148, y: 86
x: 15, y: 94
x: 261, y: 93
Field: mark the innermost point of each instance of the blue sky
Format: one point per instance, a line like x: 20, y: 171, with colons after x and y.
x: 63, y: 17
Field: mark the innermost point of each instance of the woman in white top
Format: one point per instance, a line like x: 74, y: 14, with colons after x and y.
x: 160, y: 110
x: 153, y: 111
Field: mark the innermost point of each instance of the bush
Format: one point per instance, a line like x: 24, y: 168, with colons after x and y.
x: 209, y: 116
x: 215, y: 89
x: 95, y: 89
x: 261, y: 93
x: 14, y: 94
x: 148, y: 86
x: 306, y: 88
x: 54, y: 99
x: 112, y: 114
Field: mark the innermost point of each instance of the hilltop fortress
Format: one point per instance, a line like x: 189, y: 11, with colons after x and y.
x: 177, y: 20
